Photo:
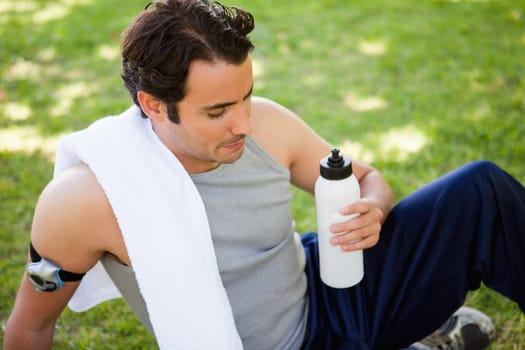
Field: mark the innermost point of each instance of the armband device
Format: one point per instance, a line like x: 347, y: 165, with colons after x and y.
x: 45, y: 275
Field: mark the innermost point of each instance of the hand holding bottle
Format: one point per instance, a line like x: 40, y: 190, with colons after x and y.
x: 359, y: 228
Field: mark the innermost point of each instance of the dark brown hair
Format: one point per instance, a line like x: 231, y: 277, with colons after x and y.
x: 161, y: 43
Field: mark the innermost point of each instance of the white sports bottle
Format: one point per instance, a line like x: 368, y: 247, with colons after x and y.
x: 334, y: 189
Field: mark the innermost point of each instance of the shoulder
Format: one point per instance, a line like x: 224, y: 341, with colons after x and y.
x: 266, y: 109
x: 72, y: 191
x: 293, y: 143
x: 73, y: 223
x: 270, y: 117
x: 261, y: 103
x: 277, y: 128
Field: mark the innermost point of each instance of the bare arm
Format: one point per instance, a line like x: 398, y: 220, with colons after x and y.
x: 33, y: 318
x: 300, y: 149
x: 73, y: 226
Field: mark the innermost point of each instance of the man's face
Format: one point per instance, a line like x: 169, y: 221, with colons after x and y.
x: 214, y: 116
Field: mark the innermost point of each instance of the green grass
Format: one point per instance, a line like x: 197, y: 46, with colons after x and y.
x: 416, y: 88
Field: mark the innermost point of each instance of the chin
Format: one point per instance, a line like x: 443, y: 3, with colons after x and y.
x: 232, y: 157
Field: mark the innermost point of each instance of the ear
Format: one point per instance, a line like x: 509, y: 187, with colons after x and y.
x: 152, y: 106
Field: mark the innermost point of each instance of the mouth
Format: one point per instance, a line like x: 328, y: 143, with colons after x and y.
x: 234, y: 146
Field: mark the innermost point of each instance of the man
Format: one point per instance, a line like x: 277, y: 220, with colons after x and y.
x: 188, y: 68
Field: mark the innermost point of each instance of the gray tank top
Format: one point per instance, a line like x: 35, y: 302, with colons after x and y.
x: 260, y: 259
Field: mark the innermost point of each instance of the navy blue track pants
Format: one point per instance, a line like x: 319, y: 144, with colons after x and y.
x: 438, y: 243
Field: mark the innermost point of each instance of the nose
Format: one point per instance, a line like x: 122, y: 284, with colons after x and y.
x: 241, y: 122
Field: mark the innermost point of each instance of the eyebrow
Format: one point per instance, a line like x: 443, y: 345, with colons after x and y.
x: 226, y: 104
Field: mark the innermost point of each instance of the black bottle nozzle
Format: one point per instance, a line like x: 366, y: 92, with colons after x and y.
x: 335, y: 160
x: 336, y: 166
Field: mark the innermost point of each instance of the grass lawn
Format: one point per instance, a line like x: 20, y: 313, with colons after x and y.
x: 415, y: 88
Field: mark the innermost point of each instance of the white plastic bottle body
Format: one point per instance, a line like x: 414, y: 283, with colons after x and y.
x: 338, y: 269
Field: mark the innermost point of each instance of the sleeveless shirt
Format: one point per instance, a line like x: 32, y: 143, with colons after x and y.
x: 260, y: 259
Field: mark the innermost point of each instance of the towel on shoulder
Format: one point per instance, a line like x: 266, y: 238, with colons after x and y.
x: 165, y: 229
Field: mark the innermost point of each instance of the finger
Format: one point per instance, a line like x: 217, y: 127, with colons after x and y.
x: 359, y: 207
x: 359, y: 245
x: 355, y: 223
x: 356, y: 235
x: 365, y: 243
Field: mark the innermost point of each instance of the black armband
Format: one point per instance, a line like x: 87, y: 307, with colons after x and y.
x: 45, y: 275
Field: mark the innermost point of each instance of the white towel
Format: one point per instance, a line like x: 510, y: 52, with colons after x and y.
x: 165, y: 229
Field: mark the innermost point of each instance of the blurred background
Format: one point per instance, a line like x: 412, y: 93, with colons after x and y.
x: 416, y: 88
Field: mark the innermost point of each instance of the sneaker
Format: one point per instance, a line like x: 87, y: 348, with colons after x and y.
x: 467, y: 329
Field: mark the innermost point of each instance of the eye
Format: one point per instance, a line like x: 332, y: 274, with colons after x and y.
x: 217, y: 115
